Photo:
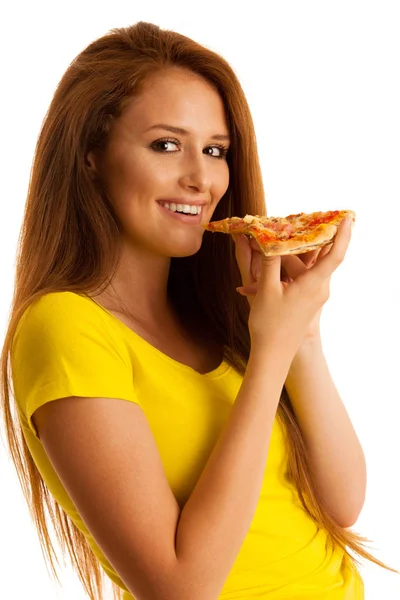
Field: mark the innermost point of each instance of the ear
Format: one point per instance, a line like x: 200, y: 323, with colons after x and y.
x: 90, y: 163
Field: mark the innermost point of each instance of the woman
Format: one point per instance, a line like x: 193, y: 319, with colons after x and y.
x: 164, y: 412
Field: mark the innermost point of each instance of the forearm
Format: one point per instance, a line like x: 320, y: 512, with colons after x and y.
x: 215, y: 520
x: 336, y: 456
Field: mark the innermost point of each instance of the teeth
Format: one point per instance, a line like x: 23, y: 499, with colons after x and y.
x: 184, y: 208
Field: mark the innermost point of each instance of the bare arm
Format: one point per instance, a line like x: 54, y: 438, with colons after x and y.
x: 215, y: 521
x: 338, y: 462
x: 105, y: 454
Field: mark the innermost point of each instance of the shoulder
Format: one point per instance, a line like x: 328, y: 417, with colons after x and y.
x: 50, y: 304
x: 62, y: 320
x: 64, y: 347
x: 58, y: 309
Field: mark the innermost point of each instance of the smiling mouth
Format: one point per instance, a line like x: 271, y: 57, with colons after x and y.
x: 183, y: 217
x: 173, y: 207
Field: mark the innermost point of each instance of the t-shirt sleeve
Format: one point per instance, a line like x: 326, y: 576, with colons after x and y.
x: 63, y: 346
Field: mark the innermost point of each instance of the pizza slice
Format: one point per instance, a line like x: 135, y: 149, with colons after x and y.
x: 294, y: 234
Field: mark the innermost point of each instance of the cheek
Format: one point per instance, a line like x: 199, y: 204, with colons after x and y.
x: 150, y: 176
x: 135, y: 179
x: 221, y: 180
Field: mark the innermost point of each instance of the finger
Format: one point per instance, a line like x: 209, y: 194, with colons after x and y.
x: 243, y: 255
x: 251, y: 290
x: 293, y: 266
x: 248, y: 290
x: 270, y: 272
x: 286, y: 279
x: 309, y: 258
x: 256, y: 265
x: 324, y: 250
x: 256, y: 261
x: 332, y: 259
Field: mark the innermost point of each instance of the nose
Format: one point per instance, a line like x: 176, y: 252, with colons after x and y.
x: 197, y: 173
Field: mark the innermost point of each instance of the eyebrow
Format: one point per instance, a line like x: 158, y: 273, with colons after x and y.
x: 179, y: 130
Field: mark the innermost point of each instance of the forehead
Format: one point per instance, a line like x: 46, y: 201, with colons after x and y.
x: 180, y: 97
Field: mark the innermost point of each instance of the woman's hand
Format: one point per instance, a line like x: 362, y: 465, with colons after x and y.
x: 249, y: 257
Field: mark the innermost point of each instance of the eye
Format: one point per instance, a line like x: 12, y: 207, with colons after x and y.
x: 223, y: 150
x: 156, y: 145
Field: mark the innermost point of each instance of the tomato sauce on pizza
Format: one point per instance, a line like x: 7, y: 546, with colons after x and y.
x: 293, y: 234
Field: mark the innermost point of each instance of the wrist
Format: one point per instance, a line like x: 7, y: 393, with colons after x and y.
x: 310, y: 345
x: 270, y: 359
x: 307, y: 352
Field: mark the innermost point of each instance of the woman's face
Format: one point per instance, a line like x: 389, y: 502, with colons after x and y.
x: 144, y: 164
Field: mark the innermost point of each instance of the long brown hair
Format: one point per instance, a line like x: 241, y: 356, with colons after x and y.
x: 70, y: 241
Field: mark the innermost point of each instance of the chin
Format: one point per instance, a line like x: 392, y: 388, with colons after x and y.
x: 183, y: 254
x: 185, y: 250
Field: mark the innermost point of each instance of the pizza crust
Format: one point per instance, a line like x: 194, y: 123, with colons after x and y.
x: 320, y: 236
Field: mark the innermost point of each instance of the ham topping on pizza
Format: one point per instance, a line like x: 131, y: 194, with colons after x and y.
x: 302, y: 229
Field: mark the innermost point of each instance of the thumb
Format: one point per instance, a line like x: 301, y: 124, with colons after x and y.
x: 270, y: 271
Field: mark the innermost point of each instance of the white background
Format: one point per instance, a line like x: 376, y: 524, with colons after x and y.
x: 322, y: 80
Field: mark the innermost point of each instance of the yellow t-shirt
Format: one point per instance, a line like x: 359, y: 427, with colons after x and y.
x: 68, y: 345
